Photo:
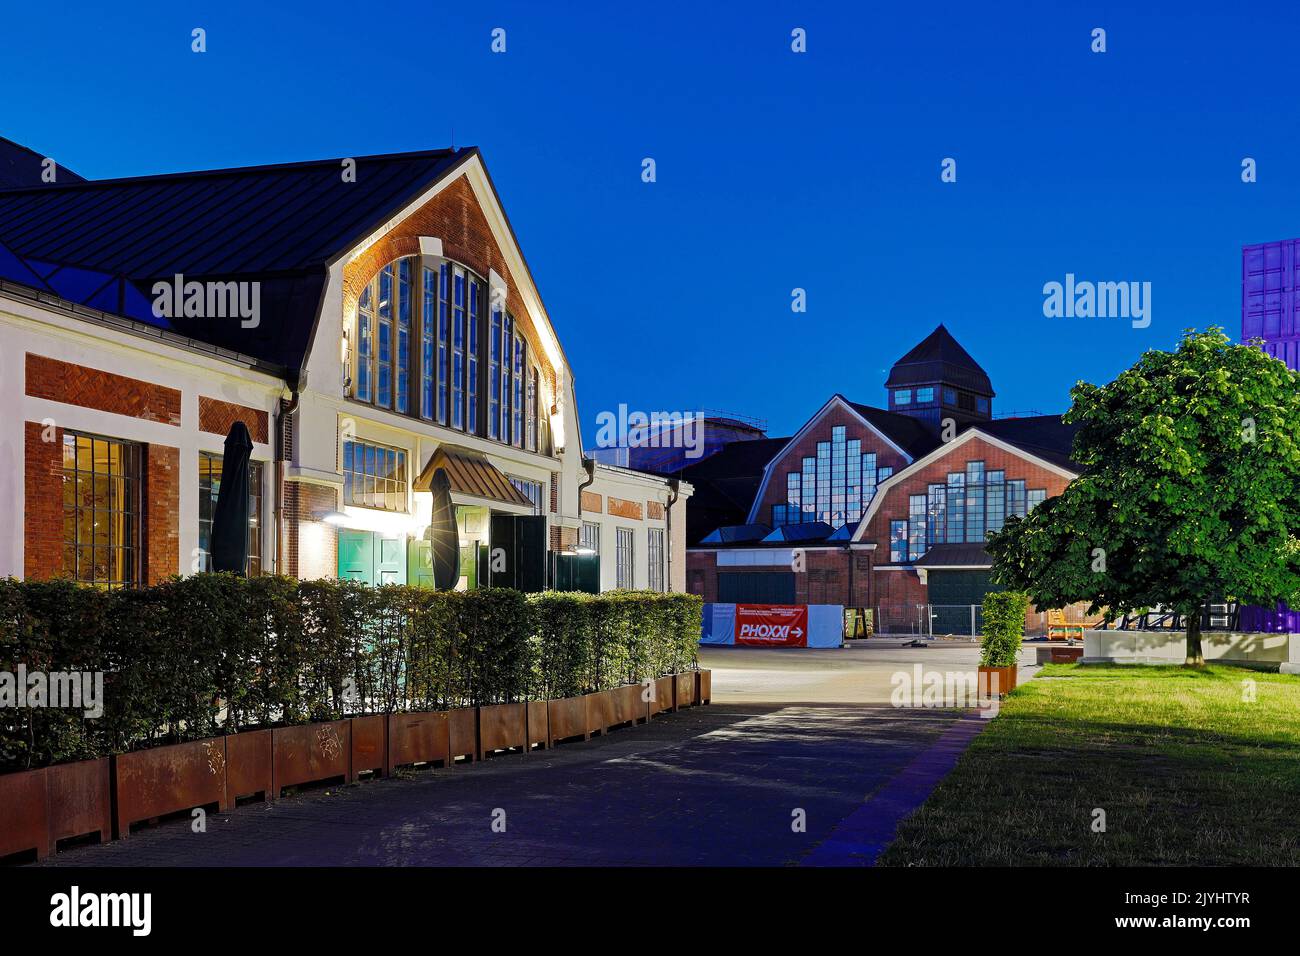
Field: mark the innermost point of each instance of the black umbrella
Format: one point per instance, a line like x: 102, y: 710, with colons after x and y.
x: 443, y: 533
x: 230, y: 517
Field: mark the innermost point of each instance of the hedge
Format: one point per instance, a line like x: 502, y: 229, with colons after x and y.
x: 210, y: 654
x: 1004, y: 627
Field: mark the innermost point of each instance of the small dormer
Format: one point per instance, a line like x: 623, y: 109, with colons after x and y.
x: 938, y: 379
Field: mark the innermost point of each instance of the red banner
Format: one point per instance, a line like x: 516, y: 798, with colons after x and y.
x: 772, y: 625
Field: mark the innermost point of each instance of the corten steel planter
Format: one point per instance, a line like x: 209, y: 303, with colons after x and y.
x: 502, y: 727
x: 685, y: 685
x: 80, y: 800
x: 463, y: 732
x: 539, y: 724
x: 662, y: 701
x: 369, y: 745
x: 629, y: 705
x: 249, y: 766
x: 154, y: 783
x: 24, y: 813
x: 312, y: 752
x: 568, y: 718
x: 997, y: 680
x: 419, y: 737
x: 704, y: 687
x: 600, y: 712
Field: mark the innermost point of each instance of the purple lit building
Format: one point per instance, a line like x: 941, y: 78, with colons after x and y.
x: 1270, y: 275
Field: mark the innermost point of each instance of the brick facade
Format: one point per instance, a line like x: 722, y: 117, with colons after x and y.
x: 162, y: 504
x: 590, y: 501
x: 654, y: 510
x: 216, y: 417
x: 310, y: 548
x: 104, y: 391
x: 43, y: 511
x: 455, y: 217
x: 792, y: 459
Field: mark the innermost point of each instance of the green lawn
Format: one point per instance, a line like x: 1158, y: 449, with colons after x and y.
x: 1187, y: 772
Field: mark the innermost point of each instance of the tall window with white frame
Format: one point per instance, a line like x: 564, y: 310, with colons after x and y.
x: 625, y: 576
x: 384, y: 340
x: 589, y: 537
x: 458, y: 351
x: 494, y: 375
x: 471, y: 346
x: 507, y: 350
x: 210, y: 489
x: 655, y: 555
x: 517, y: 395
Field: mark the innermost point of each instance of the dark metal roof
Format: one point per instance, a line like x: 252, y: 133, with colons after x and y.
x: 725, y: 484
x: 20, y: 166
x: 470, y: 473
x: 960, y: 555
x: 938, y: 358
x: 738, y: 534
x: 906, y: 432
x: 108, y: 241
x: 804, y: 531
x: 1044, y: 436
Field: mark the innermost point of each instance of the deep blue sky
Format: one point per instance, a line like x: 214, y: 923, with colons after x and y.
x: 775, y: 170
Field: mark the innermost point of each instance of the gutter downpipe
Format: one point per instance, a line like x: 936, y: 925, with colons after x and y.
x: 285, y: 412
x: 675, y: 485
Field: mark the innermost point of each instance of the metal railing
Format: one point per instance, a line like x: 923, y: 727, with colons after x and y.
x: 957, y: 620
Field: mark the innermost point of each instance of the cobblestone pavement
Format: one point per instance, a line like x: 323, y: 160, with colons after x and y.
x: 715, y: 785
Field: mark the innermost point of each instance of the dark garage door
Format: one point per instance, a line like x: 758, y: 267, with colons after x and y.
x: 951, y: 595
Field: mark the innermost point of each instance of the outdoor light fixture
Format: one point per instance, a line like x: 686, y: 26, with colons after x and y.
x: 557, y: 428
x: 331, y: 517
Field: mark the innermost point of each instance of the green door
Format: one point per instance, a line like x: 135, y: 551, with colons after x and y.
x: 356, y: 556
x: 419, y: 563
x: 371, y: 557
x: 951, y: 595
x: 390, y: 558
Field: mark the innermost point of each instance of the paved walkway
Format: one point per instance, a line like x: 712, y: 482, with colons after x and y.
x: 716, y: 785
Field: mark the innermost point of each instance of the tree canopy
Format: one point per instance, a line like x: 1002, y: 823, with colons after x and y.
x: 1189, y: 491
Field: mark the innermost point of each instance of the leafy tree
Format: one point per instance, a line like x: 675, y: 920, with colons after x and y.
x: 1189, y: 491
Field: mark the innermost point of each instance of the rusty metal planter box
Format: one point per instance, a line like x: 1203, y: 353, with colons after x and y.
x: 568, y: 718
x: 80, y: 800
x: 539, y: 725
x: 463, y: 734
x: 370, y: 745
x: 24, y: 813
x: 419, y: 737
x: 154, y: 783
x: 600, y: 712
x: 249, y: 766
x: 501, y: 727
x: 663, y: 696
x: 685, y: 689
x: 311, y: 752
x: 704, y: 687
x: 629, y: 707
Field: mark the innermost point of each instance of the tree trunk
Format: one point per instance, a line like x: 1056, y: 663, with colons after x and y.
x: 1194, y: 656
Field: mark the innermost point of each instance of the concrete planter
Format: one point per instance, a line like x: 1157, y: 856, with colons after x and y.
x: 463, y: 732
x: 664, y: 699
x: 154, y: 783
x: 539, y: 724
x: 568, y: 718
x: 685, y: 688
x: 370, y: 745
x: 80, y: 800
x: 250, y: 767
x: 502, y: 727
x: 420, y: 737
x: 629, y: 706
x: 1005, y: 681
x: 704, y: 687
x: 311, y: 753
x: 24, y: 822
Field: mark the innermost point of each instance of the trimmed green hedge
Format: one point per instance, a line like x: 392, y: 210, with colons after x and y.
x: 1004, y: 627
x: 214, y: 653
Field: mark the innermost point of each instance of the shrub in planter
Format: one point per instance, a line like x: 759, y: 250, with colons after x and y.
x: 1004, y: 627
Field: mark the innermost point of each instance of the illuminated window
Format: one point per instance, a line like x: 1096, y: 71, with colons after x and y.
x: 101, y: 510
x: 374, y: 476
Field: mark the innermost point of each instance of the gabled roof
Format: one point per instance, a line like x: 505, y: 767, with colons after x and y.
x: 737, y: 534
x: 804, y: 531
x: 1044, y: 436
x: 470, y: 473
x: 280, y: 225
x: 939, y: 358
x: 20, y: 166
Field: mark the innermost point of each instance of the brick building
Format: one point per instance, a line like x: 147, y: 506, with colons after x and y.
x: 369, y: 319
x: 881, y: 508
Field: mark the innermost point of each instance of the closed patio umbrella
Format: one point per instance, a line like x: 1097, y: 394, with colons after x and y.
x: 443, y: 533
x: 230, y: 518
